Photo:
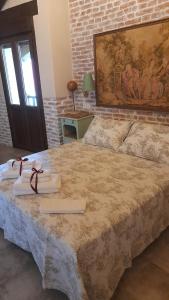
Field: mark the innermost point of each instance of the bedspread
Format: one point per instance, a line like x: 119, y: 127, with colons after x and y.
x: 84, y: 256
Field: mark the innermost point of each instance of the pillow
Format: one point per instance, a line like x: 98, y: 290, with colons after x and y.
x: 150, y: 141
x: 106, y: 132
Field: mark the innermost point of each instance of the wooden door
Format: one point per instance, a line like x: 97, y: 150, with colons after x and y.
x: 21, y: 81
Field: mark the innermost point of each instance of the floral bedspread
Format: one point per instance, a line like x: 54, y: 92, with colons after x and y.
x: 84, y: 256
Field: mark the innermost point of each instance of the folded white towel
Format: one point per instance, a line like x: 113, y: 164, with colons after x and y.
x: 13, y: 173
x: 51, y: 186
x: 26, y: 164
x: 42, y: 177
x: 7, y: 173
x: 62, y: 206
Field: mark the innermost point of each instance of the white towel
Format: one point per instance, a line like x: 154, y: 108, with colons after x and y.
x: 7, y: 173
x: 42, y: 177
x: 26, y: 164
x: 52, y: 186
x: 13, y: 173
x: 62, y: 206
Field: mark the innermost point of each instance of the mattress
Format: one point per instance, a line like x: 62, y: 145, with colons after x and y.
x: 85, y: 255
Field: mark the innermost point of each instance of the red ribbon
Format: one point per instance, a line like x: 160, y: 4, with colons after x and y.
x: 21, y: 160
x: 35, y: 174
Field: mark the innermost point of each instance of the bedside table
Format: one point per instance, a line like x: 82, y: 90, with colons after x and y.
x: 74, y: 125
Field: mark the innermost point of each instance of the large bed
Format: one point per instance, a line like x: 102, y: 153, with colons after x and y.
x: 85, y: 255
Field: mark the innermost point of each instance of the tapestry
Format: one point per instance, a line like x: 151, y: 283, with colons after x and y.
x: 132, y: 67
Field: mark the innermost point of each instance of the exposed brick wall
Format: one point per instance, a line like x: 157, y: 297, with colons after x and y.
x: 88, y: 17
x: 53, y: 108
x: 50, y: 110
x: 5, y: 134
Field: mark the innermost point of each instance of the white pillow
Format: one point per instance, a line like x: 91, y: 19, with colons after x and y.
x: 106, y: 132
x: 150, y: 141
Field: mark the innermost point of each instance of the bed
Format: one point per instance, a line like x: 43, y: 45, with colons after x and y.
x: 84, y: 256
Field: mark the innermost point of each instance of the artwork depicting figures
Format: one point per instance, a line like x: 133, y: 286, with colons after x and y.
x: 132, y: 67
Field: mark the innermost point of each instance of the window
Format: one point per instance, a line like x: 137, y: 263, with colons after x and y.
x: 8, y: 60
x: 27, y: 73
x: 18, y: 68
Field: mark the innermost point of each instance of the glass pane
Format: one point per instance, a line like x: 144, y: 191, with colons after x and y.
x: 27, y: 73
x: 10, y: 74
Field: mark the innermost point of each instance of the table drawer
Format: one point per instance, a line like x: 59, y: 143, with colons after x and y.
x: 69, y: 122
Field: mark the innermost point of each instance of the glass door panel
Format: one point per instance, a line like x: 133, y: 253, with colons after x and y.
x: 10, y: 74
x: 27, y: 73
x: 20, y: 76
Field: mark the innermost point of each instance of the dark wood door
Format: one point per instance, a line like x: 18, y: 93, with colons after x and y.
x: 21, y: 81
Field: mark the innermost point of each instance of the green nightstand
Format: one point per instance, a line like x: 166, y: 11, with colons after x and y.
x: 74, y: 125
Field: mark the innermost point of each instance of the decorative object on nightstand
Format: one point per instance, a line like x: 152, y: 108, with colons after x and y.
x: 75, y: 124
x: 72, y: 87
x: 88, y: 84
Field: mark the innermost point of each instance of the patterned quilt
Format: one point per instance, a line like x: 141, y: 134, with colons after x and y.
x: 84, y: 256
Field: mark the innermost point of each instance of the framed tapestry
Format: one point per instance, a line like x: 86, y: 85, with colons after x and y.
x: 132, y: 67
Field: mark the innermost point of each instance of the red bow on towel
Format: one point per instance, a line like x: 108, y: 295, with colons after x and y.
x: 35, y: 174
x: 21, y: 163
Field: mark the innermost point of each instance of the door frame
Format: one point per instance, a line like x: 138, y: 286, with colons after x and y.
x: 17, y: 23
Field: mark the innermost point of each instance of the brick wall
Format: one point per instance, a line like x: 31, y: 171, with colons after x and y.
x: 88, y: 17
x: 5, y: 134
x: 52, y: 108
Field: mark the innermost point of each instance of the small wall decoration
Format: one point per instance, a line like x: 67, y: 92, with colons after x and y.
x: 132, y: 67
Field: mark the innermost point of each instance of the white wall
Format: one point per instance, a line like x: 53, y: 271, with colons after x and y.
x: 44, y: 49
x: 54, y: 46
x: 61, y: 44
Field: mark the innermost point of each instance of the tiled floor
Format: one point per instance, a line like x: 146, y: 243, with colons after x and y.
x: 19, y: 276
x: 9, y: 152
x: 148, y: 279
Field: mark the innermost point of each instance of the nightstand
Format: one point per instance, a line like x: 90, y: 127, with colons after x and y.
x: 74, y: 125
